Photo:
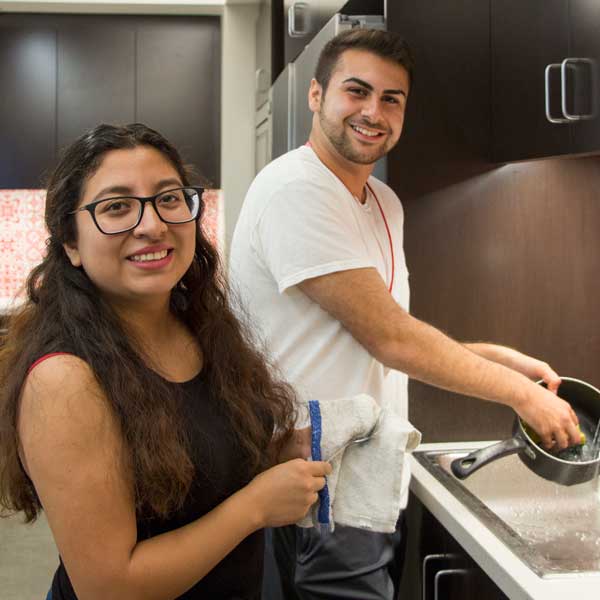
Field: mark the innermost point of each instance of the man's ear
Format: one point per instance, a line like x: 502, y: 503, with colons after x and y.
x: 73, y: 253
x: 315, y: 96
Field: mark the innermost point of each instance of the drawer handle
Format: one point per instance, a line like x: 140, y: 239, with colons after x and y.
x: 431, y: 557
x: 445, y: 573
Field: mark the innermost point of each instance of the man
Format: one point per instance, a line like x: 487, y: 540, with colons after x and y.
x: 318, y: 261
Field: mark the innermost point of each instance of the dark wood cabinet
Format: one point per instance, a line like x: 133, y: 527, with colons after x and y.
x: 96, y: 78
x: 585, y: 44
x: 436, y: 566
x: 178, y: 88
x: 525, y: 38
x: 487, y: 74
x: 446, y: 135
x: 544, y: 78
x: 27, y: 105
x: 61, y: 75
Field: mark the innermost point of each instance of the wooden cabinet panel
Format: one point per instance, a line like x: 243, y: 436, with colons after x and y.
x: 585, y: 43
x: 27, y: 105
x: 178, y: 88
x: 96, y: 66
x: 432, y: 551
x: 526, y: 37
x: 61, y: 75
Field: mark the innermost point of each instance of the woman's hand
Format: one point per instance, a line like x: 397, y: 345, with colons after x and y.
x: 283, y: 494
x: 298, y: 446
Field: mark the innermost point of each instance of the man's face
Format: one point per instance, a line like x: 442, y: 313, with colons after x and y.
x: 362, y: 111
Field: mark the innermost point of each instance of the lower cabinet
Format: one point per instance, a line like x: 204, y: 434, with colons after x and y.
x: 436, y: 566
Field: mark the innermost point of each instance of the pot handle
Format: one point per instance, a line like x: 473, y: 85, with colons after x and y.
x: 465, y: 466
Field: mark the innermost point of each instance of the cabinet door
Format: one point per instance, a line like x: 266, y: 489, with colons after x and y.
x: 96, y: 66
x: 526, y: 38
x: 437, y: 567
x: 585, y: 45
x: 27, y: 105
x: 178, y: 90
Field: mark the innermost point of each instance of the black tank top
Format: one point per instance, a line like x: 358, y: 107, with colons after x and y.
x: 216, y: 456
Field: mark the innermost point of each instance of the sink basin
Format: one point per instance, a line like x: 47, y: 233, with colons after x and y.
x: 554, y: 529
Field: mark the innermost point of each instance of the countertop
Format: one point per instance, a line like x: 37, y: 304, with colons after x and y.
x: 506, y: 569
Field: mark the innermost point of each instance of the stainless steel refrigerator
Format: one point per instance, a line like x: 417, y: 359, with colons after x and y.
x: 291, y: 118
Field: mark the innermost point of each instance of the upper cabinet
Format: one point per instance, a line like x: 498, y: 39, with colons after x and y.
x: 585, y: 46
x: 544, y: 84
x: 56, y: 84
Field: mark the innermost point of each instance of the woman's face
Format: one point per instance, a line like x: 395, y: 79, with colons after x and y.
x: 143, y: 264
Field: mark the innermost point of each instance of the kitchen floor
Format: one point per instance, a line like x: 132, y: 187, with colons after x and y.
x: 28, y: 559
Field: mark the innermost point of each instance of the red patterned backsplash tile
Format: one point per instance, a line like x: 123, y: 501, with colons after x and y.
x: 22, y: 239
x: 23, y: 235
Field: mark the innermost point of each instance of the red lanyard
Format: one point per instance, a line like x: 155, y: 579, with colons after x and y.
x: 384, y: 222
x: 388, y: 234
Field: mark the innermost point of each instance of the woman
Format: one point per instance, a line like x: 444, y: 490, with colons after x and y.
x: 134, y: 410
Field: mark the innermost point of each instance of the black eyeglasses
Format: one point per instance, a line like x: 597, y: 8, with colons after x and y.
x: 124, y: 213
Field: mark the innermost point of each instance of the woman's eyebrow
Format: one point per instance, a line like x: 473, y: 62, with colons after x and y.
x: 113, y: 189
x: 124, y: 190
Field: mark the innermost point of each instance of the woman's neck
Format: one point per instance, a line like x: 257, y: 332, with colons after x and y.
x: 167, y: 345
x: 150, y: 322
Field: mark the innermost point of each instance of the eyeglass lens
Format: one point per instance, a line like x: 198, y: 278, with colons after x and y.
x: 173, y: 206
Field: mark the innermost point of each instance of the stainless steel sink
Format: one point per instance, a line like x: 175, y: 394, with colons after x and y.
x: 554, y: 529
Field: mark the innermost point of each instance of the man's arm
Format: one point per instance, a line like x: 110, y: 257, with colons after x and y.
x: 513, y: 359
x: 360, y: 301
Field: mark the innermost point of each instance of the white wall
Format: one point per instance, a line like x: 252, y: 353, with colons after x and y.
x: 238, y: 108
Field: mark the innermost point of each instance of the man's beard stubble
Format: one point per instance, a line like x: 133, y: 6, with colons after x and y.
x: 342, y: 143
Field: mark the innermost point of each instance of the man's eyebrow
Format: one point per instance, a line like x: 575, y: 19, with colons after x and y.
x: 370, y: 87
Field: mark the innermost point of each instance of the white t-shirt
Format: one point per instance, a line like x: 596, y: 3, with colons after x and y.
x: 299, y: 221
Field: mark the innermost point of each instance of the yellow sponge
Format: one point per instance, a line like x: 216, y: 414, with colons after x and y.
x: 536, y: 438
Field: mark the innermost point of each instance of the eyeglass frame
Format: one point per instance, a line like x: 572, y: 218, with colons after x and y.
x: 91, y: 208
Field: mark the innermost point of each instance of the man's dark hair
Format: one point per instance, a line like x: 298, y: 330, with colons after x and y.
x: 385, y: 44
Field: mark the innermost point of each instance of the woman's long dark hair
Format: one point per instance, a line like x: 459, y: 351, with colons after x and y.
x: 65, y: 312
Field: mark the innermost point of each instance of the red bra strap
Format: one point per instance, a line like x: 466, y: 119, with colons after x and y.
x: 43, y: 358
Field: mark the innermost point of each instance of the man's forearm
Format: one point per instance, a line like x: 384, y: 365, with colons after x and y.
x: 427, y: 354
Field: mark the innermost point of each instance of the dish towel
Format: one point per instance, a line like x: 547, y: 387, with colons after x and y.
x: 368, y: 485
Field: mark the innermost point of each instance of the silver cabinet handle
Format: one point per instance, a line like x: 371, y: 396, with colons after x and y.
x: 428, y: 559
x: 563, y: 88
x: 445, y: 573
x: 302, y: 9
x: 547, y: 93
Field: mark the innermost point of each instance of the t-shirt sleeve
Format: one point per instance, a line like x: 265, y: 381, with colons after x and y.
x: 307, y: 230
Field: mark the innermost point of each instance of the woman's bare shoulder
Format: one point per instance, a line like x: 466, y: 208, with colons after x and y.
x: 62, y: 396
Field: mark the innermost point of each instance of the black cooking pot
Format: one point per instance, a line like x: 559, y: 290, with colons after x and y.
x: 585, y: 401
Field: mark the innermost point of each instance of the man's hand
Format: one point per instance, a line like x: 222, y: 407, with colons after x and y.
x: 551, y: 418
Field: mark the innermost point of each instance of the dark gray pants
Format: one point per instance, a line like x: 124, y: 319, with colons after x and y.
x: 349, y: 564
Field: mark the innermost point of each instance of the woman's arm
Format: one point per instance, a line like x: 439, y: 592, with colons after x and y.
x: 73, y: 451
